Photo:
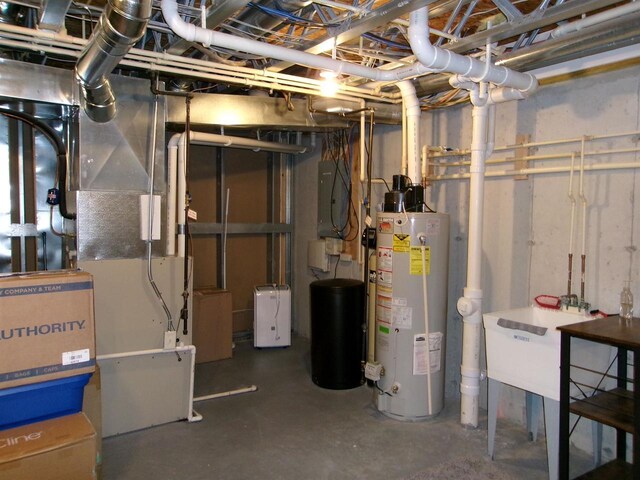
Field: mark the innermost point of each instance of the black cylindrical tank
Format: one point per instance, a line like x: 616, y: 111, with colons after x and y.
x: 337, y: 318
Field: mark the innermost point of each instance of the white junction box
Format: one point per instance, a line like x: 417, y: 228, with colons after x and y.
x: 271, y: 316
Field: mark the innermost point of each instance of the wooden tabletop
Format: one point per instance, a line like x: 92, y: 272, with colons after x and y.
x: 611, y: 330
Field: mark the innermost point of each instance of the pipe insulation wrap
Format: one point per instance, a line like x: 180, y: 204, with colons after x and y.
x: 121, y: 25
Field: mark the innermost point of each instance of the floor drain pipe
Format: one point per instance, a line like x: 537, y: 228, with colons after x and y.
x: 121, y: 25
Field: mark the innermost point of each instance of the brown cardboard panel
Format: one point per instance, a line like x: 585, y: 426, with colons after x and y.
x: 60, y: 449
x: 247, y: 267
x: 205, y: 261
x: 203, y: 177
x: 212, y: 324
x: 247, y: 180
x: 46, y: 326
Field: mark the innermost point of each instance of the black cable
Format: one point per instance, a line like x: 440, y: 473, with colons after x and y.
x: 61, y: 153
x: 385, y: 183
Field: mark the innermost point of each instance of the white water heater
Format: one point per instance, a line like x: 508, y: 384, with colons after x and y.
x: 412, y: 259
x: 271, y: 316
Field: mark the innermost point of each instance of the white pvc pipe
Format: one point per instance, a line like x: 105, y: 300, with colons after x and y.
x: 470, y: 306
x: 583, y: 201
x: 201, y: 138
x: 172, y: 177
x: 182, y: 194
x: 197, y: 34
x: 424, y: 162
x: 229, y: 393
x: 192, y: 416
x: 595, y: 19
x: 536, y: 171
x: 572, y: 199
x: 363, y: 139
x: 439, y: 59
x: 412, y: 106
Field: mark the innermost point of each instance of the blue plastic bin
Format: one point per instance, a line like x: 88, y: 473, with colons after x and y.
x: 40, y: 401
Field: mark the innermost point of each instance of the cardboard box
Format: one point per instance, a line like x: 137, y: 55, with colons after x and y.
x: 212, y: 325
x: 60, y: 449
x: 46, y: 326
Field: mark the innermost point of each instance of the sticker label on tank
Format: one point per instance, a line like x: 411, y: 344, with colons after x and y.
x: 383, y: 314
x: 401, y: 242
x: 384, y: 301
x: 433, y: 226
x: 385, y: 278
x: 420, y: 353
x: 399, y: 302
x: 385, y: 225
x: 402, y: 317
x: 385, y: 259
x: 415, y: 260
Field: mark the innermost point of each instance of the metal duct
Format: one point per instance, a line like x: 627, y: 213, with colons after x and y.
x: 121, y: 25
x: 604, y: 37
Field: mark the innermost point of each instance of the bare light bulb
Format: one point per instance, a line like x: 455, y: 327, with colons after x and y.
x: 329, y: 85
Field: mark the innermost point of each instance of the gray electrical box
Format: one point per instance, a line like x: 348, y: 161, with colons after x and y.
x: 334, y: 183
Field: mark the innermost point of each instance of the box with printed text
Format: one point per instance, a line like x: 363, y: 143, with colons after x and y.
x: 46, y: 326
x: 63, y: 448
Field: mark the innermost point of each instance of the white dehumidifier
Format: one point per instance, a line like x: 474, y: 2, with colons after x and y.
x: 271, y: 316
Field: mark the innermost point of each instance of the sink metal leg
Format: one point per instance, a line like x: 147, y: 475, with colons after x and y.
x: 533, y: 403
x: 552, y: 430
x: 494, y: 388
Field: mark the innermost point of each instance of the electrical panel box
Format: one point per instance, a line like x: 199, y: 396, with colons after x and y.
x: 333, y: 198
x: 271, y: 316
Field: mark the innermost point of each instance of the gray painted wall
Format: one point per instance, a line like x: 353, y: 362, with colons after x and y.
x: 526, y: 233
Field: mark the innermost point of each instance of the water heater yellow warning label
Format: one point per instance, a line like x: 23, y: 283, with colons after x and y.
x: 415, y: 260
x: 401, y: 243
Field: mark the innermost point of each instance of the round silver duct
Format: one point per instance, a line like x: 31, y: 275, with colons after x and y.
x: 121, y: 25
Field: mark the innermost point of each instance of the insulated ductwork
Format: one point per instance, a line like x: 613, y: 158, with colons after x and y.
x: 121, y: 25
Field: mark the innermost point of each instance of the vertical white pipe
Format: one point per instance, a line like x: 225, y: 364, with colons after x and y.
x: 583, y: 200
x: 182, y: 192
x: 412, y: 105
x: 171, y: 193
x: 572, y: 199
x: 403, y: 162
x: 424, y: 163
x: 470, y: 306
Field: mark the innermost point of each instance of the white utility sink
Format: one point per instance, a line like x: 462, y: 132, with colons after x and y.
x: 523, y: 350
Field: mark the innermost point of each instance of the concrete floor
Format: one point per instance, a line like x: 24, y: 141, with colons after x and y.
x: 292, y: 429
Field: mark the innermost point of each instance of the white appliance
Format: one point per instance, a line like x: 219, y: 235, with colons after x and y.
x: 271, y: 316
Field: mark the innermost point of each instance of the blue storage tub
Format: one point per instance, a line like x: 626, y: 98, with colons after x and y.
x: 40, y: 401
